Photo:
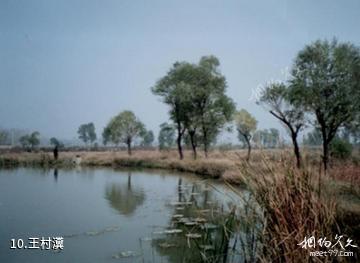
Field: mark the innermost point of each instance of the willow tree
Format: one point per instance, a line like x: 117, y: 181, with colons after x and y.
x: 197, y: 100
x: 174, y: 93
x: 211, y: 106
x: 246, y: 126
x: 166, y: 137
x: 326, y: 81
x: 124, y: 128
x: 275, y: 99
x: 87, y: 132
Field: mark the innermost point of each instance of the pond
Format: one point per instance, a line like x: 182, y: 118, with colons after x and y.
x: 106, y: 215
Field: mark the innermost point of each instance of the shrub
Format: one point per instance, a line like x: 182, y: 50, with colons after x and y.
x: 340, y: 149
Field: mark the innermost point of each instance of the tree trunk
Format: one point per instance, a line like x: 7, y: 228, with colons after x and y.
x: 296, y: 149
x: 206, y: 149
x: 325, y: 154
x: 249, y: 148
x: 129, y: 147
x: 193, y: 143
x: 179, y: 145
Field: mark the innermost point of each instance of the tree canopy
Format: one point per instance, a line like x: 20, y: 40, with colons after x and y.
x: 197, y: 100
x: 166, y: 136
x: 30, y: 141
x: 124, y: 128
x: 87, y: 133
x: 276, y: 99
x: 246, y: 126
x: 326, y: 82
x: 148, y: 138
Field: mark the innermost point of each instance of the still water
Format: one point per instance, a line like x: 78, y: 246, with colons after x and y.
x: 107, y: 215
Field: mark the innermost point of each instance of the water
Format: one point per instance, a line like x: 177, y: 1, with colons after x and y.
x: 106, y: 215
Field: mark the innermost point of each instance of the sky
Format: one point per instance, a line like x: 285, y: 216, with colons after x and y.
x: 68, y: 62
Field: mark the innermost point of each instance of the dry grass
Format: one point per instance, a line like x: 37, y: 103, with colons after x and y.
x: 213, y: 167
x: 293, y: 209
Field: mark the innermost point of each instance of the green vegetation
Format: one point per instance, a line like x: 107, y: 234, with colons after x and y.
x: 198, y: 105
x: 30, y: 141
x: 276, y: 99
x: 87, y: 133
x: 326, y: 82
x: 148, y: 139
x: 246, y: 127
x: 124, y: 128
x: 267, y: 138
x: 340, y: 148
x: 313, y: 138
x: 166, y: 136
x: 56, y: 143
x: 3, y: 137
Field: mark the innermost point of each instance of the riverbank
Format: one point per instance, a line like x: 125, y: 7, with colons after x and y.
x: 219, y: 165
x: 216, y: 166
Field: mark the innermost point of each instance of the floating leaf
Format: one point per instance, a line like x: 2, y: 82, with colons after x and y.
x: 193, y: 235
x: 207, y: 247
x: 173, y: 231
x: 178, y: 216
x: 126, y: 254
x: 166, y: 245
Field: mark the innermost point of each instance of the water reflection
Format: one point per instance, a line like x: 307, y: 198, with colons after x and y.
x: 56, y: 174
x: 200, y: 228
x: 124, y: 197
x: 149, y: 230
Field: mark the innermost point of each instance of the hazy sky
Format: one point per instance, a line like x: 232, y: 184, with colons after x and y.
x: 63, y: 63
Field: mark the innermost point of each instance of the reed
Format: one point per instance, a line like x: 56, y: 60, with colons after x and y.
x: 291, y: 210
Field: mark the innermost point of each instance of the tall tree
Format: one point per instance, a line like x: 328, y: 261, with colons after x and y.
x: 246, y: 126
x: 197, y: 100
x: 211, y: 107
x: 166, y: 136
x: 148, y: 138
x: 274, y: 137
x: 55, y: 142
x: 30, y: 141
x: 175, y: 93
x: 267, y: 138
x: 24, y: 141
x: 87, y: 133
x: 276, y: 100
x: 326, y: 80
x: 313, y: 138
x: 124, y: 128
x: 34, y: 139
x: 106, y: 135
x: 4, y: 136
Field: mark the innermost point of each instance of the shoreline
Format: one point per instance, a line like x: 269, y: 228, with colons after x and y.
x: 211, y: 168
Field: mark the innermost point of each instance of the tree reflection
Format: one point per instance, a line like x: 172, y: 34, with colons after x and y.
x: 124, y: 198
x: 207, y: 232
x: 56, y: 174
